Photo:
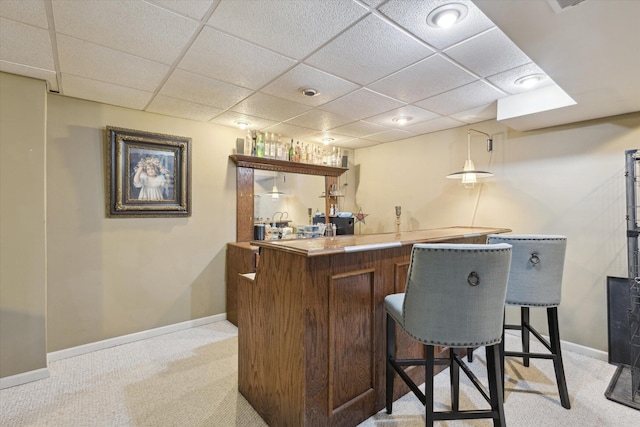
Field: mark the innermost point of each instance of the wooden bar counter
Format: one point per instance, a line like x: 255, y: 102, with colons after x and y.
x: 311, y: 324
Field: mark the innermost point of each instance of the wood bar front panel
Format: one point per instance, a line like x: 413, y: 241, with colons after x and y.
x: 271, y: 366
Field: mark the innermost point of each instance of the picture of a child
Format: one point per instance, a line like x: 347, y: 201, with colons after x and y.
x: 151, y: 178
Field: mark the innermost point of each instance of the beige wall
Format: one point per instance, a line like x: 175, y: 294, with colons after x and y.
x: 22, y: 225
x: 563, y: 180
x: 114, y: 276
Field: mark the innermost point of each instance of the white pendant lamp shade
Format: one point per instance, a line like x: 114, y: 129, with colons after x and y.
x: 275, y: 194
x: 469, y: 175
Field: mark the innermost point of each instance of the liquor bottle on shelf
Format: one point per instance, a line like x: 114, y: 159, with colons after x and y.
x: 291, y: 152
x: 272, y: 146
x: 279, y: 148
x: 296, y: 152
x: 247, y: 143
x: 260, y: 145
x: 254, y: 143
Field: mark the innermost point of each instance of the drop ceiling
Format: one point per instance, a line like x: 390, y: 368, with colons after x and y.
x: 228, y: 61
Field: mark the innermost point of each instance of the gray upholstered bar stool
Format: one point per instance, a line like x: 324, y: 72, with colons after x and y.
x: 535, y: 280
x: 454, y: 297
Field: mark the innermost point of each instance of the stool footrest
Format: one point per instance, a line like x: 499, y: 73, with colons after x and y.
x: 531, y: 355
x: 421, y: 362
x: 464, y: 415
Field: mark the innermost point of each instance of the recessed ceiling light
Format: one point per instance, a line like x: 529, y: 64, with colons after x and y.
x: 327, y: 140
x: 242, y: 124
x: 402, y: 120
x: 310, y: 91
x: 447, y: 15
x: 530, y: 80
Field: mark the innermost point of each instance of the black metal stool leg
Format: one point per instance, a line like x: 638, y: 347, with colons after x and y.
x: 495, y: 390
x: 554, y: 341
x: 391, y: 350
x: 428, y: 384
x: 524, y: 333
x: 454, y: 379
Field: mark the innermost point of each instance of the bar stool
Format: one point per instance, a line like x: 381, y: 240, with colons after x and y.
x: 454, y: 297
x: 535, y: 280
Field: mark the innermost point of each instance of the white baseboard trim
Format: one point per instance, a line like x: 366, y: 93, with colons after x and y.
x: 137, y: 336
x: 23, y: 378
x: 575, y: 348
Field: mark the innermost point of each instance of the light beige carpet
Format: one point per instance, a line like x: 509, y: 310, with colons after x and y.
x: 189, y: 378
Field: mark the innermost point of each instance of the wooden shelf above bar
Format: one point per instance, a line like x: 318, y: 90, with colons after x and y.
x: 285, y: 166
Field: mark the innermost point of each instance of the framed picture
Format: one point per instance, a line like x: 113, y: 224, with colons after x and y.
x: 148, y: 174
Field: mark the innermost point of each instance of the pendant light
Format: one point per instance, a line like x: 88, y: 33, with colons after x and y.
x: 469, y: 175
x: 275, y: 194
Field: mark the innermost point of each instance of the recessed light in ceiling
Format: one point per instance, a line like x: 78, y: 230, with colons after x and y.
x: 327, y: 140
x: 310, y: 91
x: 402, y: 120
x: 530, y: 80
x: 243, y: 124
x: 447, y: 15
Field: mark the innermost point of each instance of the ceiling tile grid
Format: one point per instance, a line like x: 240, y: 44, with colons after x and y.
x: 227, y: 61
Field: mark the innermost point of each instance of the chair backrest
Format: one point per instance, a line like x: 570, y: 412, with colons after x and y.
x: 455, y: 293
x: 537, y: 263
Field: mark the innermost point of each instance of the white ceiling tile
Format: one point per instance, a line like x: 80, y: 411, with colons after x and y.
x: 361, y: 103
x: 289, y: 86
x: 289, y: 131
x: 359, y: 128
x: 140, y: 28
x: 412, y: 14
x: 27, y: 12
x: 106, y: 93
x: 462, y: 98
x: 435, y: 125
x: 203, y: 90
x: 25, y: 44
x: 488, y: 54
x: 230, y: 118
x: 426, y: 78
x: 390, y: 135
x: 270, y: 107
x: 416, y: 114
x: 319, y: 120
x: 95, y: 62
x: 506, y: 80
x: 368, y: 51
x: 37, y: 73
x: 180, y: 108
x: 192, y: 9
x: 477, y: 114
x: 308, y: 24
x: 229, y: 59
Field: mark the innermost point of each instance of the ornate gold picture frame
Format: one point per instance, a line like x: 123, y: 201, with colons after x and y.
x: 148, y: 175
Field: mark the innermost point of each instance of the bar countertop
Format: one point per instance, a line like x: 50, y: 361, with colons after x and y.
x: 366, y: 242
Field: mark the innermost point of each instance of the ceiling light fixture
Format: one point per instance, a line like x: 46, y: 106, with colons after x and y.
x: 469, y: 175
x: 327, y: 140
x: 447, y: 15
x: 310, y: 92
x: 243, y: 125
x: 530, y: 80
x: 402, y: 120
